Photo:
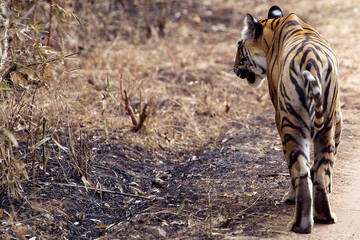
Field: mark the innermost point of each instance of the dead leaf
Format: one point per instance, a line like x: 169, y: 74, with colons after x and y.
x: 101, y: 226
x: 86, y: 182
x: 181, y: 207
x: 135, y: 190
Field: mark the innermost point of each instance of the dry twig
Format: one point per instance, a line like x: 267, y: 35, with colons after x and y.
x: 253, y: 204
x: 144, y: 113
x: 97, y: 190
x: 51, y: 13
x: 129, y: 109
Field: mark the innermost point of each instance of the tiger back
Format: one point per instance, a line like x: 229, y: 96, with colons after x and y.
x: 302, y: 74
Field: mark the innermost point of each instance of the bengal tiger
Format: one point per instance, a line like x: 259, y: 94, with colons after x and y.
x: 302, y: 75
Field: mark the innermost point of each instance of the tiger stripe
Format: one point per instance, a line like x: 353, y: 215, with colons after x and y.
x: 302, y: 74
x: 315, y: 106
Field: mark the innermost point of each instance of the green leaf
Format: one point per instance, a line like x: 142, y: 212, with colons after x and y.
x: 38, y: 29
x: 247, y: 194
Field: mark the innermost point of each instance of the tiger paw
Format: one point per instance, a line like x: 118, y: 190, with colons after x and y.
x: 322, y: 210
x: 302, y: 226
x: 289, y: 197
x: 328, y: 219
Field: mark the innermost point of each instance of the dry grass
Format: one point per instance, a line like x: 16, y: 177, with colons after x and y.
x: 172, y: 58
x: 160, y: 83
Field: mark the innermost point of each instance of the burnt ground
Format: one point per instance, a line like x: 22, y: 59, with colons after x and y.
x: 226, y: 187
x: 239, y: 189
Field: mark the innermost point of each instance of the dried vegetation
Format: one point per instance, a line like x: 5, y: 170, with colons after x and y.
x: 123, y: 120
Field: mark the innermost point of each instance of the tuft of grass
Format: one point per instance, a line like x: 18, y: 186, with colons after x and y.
x: 12, y: 169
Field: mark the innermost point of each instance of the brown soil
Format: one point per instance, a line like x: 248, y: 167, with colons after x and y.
x: 216, y: 170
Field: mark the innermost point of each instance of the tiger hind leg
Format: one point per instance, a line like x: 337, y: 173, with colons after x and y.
x: 321, y: 175
x: 297, y: 157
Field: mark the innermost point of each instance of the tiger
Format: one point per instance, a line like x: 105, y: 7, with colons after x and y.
x: 302, y: 74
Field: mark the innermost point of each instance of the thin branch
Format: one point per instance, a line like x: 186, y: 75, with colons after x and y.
x: 35, y: 9
x: 142, y: 118
x: 102, y: 190
x: 6, y: 75
x: 50, y: 18
x: 141, y: 103
x: 121, y: 88
x: 129, y: 109
x: 253, y: 204
x: 15, y: 66
x: 5, y: 43
x: 265, y: 175
x: 50, y: 60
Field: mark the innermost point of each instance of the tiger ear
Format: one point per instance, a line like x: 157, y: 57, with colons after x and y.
x: 275, y: 12
x: 253, y: 29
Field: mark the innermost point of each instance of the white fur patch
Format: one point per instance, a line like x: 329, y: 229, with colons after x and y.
x: 239, y: 40
x: 260, y: 60
x: 261, y: 82
x: 248, y: 32
x: 306, y: 74
x: 258, y: 82
x: 277, y: 12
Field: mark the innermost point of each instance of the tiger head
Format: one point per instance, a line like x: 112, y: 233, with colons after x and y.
x: 250, y: 60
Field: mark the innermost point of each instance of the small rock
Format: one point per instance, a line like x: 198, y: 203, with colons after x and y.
x: 157, y: 232
x: 158, y: 182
